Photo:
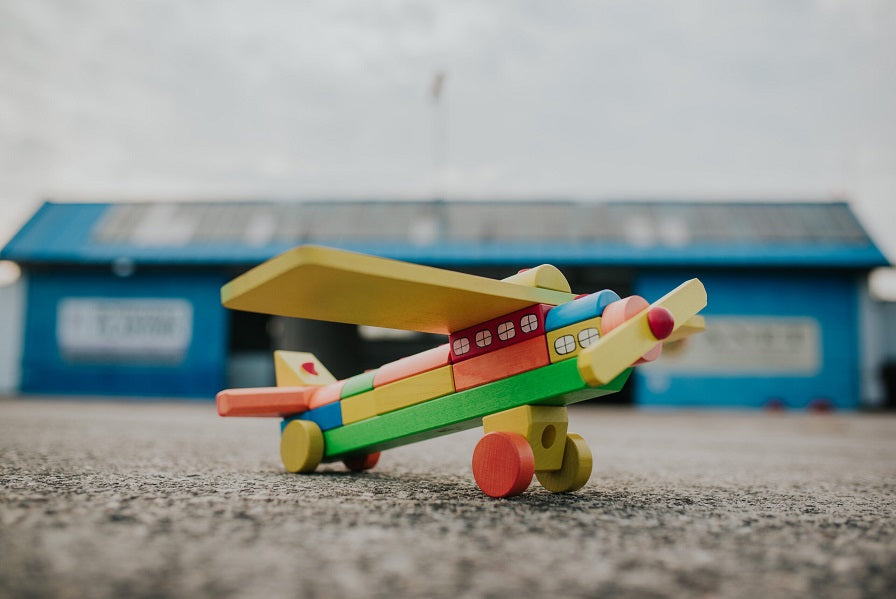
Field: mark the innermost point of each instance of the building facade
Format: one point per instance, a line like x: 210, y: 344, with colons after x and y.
x: 123, y: 299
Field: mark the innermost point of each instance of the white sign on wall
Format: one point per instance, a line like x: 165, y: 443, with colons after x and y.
x: 746, y: 345
x: 124, y: 329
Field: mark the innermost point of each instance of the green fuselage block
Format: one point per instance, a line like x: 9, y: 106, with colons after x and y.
x: 358, y: 384
x: 557, y: 384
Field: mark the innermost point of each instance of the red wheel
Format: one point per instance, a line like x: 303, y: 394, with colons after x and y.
x: 503, y: 464
x: 360, y: 463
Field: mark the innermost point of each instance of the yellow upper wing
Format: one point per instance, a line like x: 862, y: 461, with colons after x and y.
x: 339, y: 286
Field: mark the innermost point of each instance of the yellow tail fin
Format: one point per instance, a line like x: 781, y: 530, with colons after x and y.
x: 297, y: 369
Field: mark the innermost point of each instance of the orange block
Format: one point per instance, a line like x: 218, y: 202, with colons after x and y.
x: 263, y: 401
x: 501, y: 363
x: 321, y: 396
x: 411, y: 365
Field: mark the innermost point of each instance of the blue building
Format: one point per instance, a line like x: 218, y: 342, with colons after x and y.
x: 122, y: 299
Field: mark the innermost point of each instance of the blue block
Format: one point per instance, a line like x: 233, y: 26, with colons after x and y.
x: 578, y: 310
x: 326, y: 417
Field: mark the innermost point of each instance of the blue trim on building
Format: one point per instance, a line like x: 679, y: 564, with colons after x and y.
x: 56, y: 233
x: 463, y: 254
x: 61, y: 233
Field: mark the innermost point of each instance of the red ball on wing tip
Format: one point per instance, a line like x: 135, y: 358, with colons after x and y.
x: 660, y: 321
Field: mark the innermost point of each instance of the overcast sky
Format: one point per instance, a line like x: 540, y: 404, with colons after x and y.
x: 586, y: 100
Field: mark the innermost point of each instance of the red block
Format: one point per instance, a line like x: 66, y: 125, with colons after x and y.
x: 498, y: 333
x: 264, y: 401
x: 408, y: 367
x: 501, y: 363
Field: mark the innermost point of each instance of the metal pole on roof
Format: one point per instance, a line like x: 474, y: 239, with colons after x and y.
x: 439, y: 133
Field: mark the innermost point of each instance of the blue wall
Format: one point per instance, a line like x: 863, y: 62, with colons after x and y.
x: 828, y: 299
x: 198, y: 372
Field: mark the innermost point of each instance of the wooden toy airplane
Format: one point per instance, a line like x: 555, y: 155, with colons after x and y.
x: 519, y: 351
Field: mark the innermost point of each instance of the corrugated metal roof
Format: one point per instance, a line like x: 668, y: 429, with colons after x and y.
x: 613, y: 233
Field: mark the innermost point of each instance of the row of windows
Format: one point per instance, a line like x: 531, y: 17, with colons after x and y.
x: 506, y: 332
x: 567, y: 343
x: 528, y: 323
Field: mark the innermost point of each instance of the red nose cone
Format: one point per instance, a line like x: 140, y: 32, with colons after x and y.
x: 309, y: 367
x: 660, y: 322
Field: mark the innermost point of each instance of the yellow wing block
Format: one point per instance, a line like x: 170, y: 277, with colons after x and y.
x: 328, y: 284
x: 696, y: 324
x: 414, y: 390
x: 545, y: 276
x: 620, y: 348
x: 358, y: 407
x: 400, y: 394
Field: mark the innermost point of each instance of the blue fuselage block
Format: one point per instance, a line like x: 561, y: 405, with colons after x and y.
x: 326, y: 417
x: 578, y: 310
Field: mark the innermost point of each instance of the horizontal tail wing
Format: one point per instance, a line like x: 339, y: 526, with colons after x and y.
x: 264, y: 401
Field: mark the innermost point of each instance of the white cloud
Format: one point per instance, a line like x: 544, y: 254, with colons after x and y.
x: 183, y: 99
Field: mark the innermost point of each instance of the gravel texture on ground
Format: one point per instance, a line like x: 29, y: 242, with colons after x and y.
x: 130, y: 499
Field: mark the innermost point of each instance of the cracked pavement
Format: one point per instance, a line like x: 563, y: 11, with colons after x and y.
x: 155, y: 499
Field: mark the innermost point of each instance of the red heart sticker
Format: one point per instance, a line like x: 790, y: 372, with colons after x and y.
x: 309, y: 367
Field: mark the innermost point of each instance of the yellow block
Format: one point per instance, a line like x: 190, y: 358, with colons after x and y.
x: 358, y: 407
x: 572, y: 339
x: 696, y: 324
x: 299, y: 369
x: 623, y: 346
x: 575, y: 471
x: 335, y: 285
x: 301, y: 446
x: 545, y: 276
x: 544, y: 427
x: 413, y: 390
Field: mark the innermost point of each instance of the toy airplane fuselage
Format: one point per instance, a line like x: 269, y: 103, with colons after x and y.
x: 519, y: 351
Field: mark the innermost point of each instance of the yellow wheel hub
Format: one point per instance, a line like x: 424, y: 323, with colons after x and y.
x: 575, y: 471
x: 301, y: 446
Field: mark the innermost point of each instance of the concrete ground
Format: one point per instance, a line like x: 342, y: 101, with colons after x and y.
x: 161, y: 499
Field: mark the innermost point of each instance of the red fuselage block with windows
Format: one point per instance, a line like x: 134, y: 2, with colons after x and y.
x: 498, y: 333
